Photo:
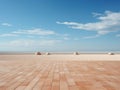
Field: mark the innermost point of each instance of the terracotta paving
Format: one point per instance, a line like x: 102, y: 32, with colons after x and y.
x: 59, y: 75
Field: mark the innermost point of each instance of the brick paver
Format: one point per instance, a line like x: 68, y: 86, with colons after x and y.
x: 59, y: 75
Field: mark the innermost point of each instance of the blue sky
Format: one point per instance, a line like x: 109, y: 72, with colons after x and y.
x: 59, y: 25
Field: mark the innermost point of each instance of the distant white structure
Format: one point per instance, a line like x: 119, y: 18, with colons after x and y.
x: 37, y: 53
x: 110, y: 53
x: 47, y: 53
x: 75, y: 53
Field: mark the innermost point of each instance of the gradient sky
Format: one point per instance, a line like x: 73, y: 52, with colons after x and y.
x: 60, y: 25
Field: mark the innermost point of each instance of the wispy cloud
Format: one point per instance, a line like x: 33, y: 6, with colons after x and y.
x: 37, y: 31
x: 66, y: 38
x: 76, y: 39
x: 95, y: 36
x: 40, y: 33
x: 108, y: 22
x: 118, y: 35
x: 96, y: 14
x: 6, y: 24
x: 30, y: 43
x: 8, y: 35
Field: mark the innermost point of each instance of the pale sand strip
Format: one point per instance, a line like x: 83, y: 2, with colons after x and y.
x: 88, y: 57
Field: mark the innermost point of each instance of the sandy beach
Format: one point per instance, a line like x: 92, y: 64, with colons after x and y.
x: 81, y: 57
x: 60, y: 72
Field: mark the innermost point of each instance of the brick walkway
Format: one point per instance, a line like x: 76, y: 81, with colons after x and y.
x: 59, y: 75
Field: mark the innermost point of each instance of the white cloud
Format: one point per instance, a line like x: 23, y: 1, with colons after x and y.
x: 41, y: 34
x: 6, y: 24
x: 118, y: 35
x: 66, y: 38
x: 37, y: 31
x: 96, y: 14
x: 63, y: 36
x: 30, y: 43
x: 7, y: 35
x: 108, y: 22
x: 76, y: 39
x: 97, y: 35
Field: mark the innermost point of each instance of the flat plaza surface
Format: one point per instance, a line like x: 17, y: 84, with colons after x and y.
x: 35, y: 73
